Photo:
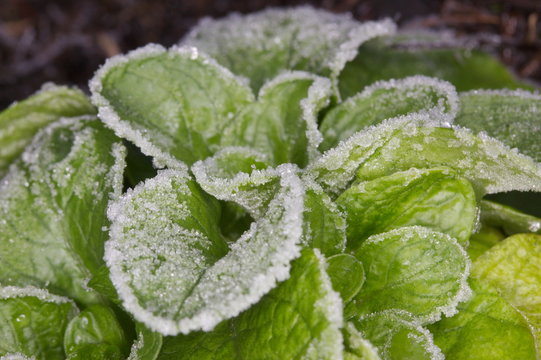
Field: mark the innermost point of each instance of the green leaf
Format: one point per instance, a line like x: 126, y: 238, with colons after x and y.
x: 397, y: 335
x: 52, y: 208
x: 398, y: 57
x: 95, y: 352
x: 357, y: 347
x: 96, y: 326
x: 485, y: 328
x: 32, y: 322
x: 282, y: 124
x: 177, y: 284
x: 388, y: 99
x: 347, y: 275
x: 240, y: 175
x: 173, y: 104
x: 324, y: 223
x: 434, y: 198
x: 510, y: 220
x: 20, y: 122
x: 414, y: 269
x: 513, y: 267
x: 148, y: 344
x: 416, y: 141
x: 101, y: 282
x: 299, y: 319
x: 513, y: 117
x: 483, y: 240
x: 262, y: 45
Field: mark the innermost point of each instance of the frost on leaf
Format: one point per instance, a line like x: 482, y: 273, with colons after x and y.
x: 174, y: 104
x: 173, y: 270
x: 417, y: 141
x: 283, y: 122
x: 397, y: 335
x: 259, y: 46
x: 414, y: 269
x: 513, y: 117
x: 32, y: 323
x: 20, y: 122
x: 388, y: 99
x: 434, y: 198
x: 308, y: 311
x: 52, y: 207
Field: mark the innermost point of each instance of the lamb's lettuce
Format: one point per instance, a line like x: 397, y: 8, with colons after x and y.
x: 288, y: 225
x: 32, y: 322
x: 20, y: 122
x: 52, y: 207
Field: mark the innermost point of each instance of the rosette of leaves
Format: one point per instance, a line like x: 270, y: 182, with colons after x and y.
x: 290, y: 184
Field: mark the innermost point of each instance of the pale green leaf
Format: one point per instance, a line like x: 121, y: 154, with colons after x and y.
x: 53, y: 207
x: 513, y: 117
x: 262, y: 45
x: 388, y: 99
x: 398, y: 336
x: 20, y: 122
x: 414, y: 269
x: 510, y: 220
x: 347, y: 275
x: 485, y: 328
x: 513, y: 267
x: 32, y: 323
x: 189, y: 280
x: 434, y: 198
x: 357, y: 347
x: 173, y: 104
x: 299, y: 319
x: 282, y: 124
x: 483, y: 240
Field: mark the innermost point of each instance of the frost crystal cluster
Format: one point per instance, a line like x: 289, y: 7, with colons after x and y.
x: 290, y: 184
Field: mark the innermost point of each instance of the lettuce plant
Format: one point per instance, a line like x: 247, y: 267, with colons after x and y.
x: 291, y: 184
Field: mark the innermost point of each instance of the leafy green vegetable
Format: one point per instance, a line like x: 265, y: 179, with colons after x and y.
x: 513, y: 266
x: 52, y: 207
x: 388, y: 99
x: 20, y: 122
x: 262, y: 45
x: 409, y: 198
x: 485, y: 327
x: 32, y: 322
x: 401, y: 56
x: 513, y: 117
x: 414, y: 269
x: 223, y: 231
x: 397, y: 335
x: 95, y: 327
x: 305, y: 306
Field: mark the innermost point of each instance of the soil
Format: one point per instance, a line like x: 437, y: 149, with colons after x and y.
x: 65, y: 41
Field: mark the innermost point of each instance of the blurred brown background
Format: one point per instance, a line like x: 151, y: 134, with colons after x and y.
x: 65, y: 41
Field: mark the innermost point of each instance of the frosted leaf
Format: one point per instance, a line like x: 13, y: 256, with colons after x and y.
x: 434, y: 198
x: 52, y: 207
x: 487, y: 163
x: 20, y: 122
x: 283, y: 122
x: 388, y: 99
x: 261, y: 45
x: 240, y: 175
x: 335, y: 170
x: 513, y: 117
x: 16, y: 356
x: 147, y: 345
x: 307, y: 310
x: 32, y: 323
x: 173, y: 104
x: 398, y: 335
x: 189, y: 280
x: 357, y: 345
x: 414, y: 269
